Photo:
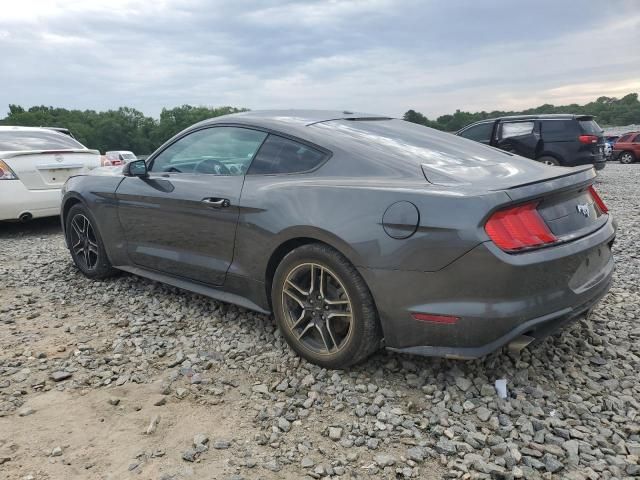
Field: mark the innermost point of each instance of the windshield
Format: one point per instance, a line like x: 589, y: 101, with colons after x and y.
x: 24, y: 140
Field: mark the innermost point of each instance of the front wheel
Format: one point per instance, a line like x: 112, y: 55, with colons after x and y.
x: 627, y: 158
x: 324, y: 308
x: 85, y: 244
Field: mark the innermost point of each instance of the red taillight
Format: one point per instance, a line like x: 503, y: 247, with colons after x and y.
x: 596, y: 198
x: 430, y: 318
x: 588, y: 139
x: 520, y: 227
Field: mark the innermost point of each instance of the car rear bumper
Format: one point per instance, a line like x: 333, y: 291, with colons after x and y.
x: 495, y: 296
x: 18, y: 200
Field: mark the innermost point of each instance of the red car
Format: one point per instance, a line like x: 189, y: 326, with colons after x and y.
x: 627, y: 148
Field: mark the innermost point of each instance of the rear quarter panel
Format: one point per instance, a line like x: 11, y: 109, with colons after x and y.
x: 347, y: 214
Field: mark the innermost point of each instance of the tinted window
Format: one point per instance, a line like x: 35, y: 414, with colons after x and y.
x: 590, y: 127
x: 558, y: 130
x: 281, y: 155
x: 36, y: 140
x: 214, y: 151
x: 479, y: 133
x: 516, y: 129
x: 624, y: 138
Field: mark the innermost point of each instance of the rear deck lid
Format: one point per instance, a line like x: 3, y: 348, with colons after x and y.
x: 44, y: 159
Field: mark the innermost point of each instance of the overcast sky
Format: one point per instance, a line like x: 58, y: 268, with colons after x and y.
x: 379, y: 56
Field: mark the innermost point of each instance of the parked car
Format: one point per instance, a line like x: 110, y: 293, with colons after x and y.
x: 627, y: 148
x: 34, y: 164
x: 564, y: 140
x: 355, y: 230
x: 119, y: 157
x: 609, y: 141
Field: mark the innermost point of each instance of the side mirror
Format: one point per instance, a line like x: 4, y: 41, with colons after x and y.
x: 137, y: 168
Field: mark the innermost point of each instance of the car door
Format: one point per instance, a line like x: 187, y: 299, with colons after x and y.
x: 181, y: 219
x: 520, y: 137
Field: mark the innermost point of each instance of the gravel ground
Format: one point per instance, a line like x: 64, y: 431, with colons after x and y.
x: 128, y: 378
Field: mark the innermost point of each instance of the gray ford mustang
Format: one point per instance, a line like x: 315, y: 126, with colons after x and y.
x: 355, y: 230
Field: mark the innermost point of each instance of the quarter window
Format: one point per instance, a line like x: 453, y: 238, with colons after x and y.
x: 516, y: 129
x: 479, y: 133
x: 212, y: 151
x: 281, y: 155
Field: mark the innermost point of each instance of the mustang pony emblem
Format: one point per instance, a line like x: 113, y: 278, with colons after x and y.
x: 583, y: 209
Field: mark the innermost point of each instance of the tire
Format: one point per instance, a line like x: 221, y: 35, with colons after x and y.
x: 547, y: 160
x: 334, y: 326
x: 89, y: 255
x: 627, y: 158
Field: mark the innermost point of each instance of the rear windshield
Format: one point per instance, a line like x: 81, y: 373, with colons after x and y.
x: 19, y: 141
x: 590, y: 127
x: 128, y: 156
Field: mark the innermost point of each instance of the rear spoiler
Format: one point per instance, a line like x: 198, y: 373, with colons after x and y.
x: 43, y: 152
x: 577, y: 176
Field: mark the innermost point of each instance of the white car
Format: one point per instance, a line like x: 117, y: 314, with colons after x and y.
x: 34, y: 164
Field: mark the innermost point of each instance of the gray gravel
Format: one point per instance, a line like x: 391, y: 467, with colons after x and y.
x: 571, y: 412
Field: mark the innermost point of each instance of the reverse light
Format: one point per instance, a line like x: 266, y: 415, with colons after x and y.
x: 596, y: 198
x: 517, y: 228
x: 6, y: 173
x: 430, y: 318
x: 588, y: 139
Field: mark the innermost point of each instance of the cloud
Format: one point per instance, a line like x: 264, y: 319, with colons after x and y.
x: 380, y: 56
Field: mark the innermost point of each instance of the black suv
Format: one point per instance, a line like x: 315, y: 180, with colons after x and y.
x: 562, y: 139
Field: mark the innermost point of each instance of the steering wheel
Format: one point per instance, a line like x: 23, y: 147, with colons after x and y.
x: 212, y: 166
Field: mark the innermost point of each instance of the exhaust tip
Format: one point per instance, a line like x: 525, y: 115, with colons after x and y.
x: 25, y: 217
x: 519, y: 343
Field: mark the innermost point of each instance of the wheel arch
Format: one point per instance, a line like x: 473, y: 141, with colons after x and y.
x: 67, y: 203
x: 291, y: 242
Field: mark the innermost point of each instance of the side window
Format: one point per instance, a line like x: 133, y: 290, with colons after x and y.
x: 479, y: 133
x: 637, y: 139
x: 624, y: 138
x: 281, y: 155
x: 556, y: 130
x: 515, y: 129
x: 212, y: 151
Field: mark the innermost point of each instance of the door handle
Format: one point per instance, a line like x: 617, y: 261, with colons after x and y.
x: 216, y: 202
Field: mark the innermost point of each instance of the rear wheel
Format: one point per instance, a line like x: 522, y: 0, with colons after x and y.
x: 549, y: 161
x: 627, y: 158
x: 324, y: 308
x: 85, y: 244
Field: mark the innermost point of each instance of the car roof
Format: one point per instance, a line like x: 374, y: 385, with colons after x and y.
x: 290, y: 118
x: 10, y: 128
x: 118, y: 151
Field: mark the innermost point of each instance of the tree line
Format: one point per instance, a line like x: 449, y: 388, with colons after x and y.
x: 609, y: 111
x: 122, y: 129
x: 129, y: 129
